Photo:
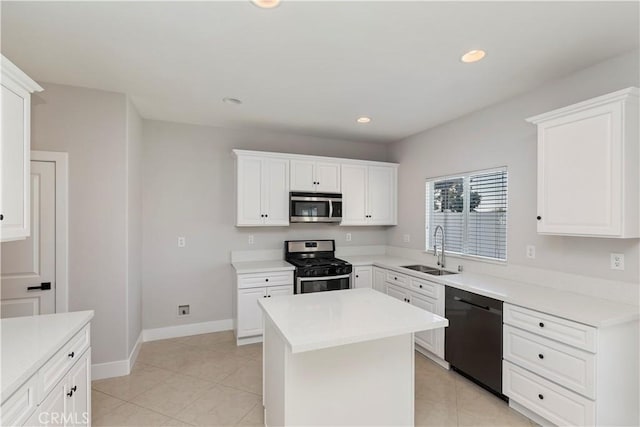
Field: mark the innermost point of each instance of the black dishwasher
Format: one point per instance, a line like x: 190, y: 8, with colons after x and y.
x: 473, y: 340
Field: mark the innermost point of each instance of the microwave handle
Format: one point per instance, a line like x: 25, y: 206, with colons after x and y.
x: 330, y: 208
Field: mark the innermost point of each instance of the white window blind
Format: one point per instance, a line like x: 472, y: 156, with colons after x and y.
x: 472, y: 210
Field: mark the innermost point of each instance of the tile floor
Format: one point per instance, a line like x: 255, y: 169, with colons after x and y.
x: 206, y: 380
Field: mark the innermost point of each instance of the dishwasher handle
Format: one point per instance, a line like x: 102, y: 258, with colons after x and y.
x: 482, y: 307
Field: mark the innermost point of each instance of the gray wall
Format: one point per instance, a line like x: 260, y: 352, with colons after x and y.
x: 499, y: 136
x: 189, y: 191
x: 134, y: 225
x: 90, y: 126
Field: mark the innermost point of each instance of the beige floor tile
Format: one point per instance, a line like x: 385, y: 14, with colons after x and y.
x: 215, y: 367
x: 102, y: 403
x: 254, y: 418
x: 431, y: 413
x: 219, y: 406
x: 128, y: 414
x: 141, y: 379
x: 208, y: 340
x: 172, y: 395
x: 248, y: 377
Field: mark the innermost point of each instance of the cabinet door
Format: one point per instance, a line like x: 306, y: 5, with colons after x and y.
x: 302, y: 175
x: 79, y: 386
x: 15, y: 162
x: 580, y: 173
x: 275, y: 291
x: 249, y: 313
x: 249, y: 191
x: 378, y: 279
x: 427, y: 339
x: 354, y: 194
x: 327, y: 177
x: 363, y: 277
x: 53, y: 409
x: 276, y: 191
x: 382, y: 195
x: 396, y: 292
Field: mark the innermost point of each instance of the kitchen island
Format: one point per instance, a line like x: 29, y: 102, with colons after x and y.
x: 340, y: 358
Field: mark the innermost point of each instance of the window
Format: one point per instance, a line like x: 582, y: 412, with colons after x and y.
x: 472, y: 210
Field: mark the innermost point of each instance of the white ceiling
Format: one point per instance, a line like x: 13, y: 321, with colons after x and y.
x: 313, y: 67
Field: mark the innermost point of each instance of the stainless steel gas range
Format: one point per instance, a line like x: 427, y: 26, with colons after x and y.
x: 317, y: 268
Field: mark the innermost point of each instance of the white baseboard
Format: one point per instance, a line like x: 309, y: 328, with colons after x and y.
x: 119, y: 368
x: 529, y: 414
x: 429, y: 355
x: 187, y: 330
x: 133, y: 356
x: 101, y: 371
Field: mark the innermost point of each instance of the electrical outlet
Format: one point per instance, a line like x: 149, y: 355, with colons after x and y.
x: 406, y: 238
x: 251, y: 239
x: 182, y: 242
x: 184, y: 310
x: 348, y: 237
x: 617, y: 261
x: 531, y: 251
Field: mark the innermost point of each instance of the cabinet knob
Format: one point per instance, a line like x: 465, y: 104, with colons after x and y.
x: 71, y: 354
x: 266, y: 280
x: 268, y: 296
x: 395, y: 278
x: 538, y: 217
x: 1, y: 217
x: 540, y: 397
x: 541, y: 324
x: 357, y: 276
x: 266, y: 215
x: 541, y: 356
x: 420, y: 286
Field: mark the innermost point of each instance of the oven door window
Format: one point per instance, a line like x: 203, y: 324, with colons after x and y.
x: 308, y: 285
x: 310, y: 209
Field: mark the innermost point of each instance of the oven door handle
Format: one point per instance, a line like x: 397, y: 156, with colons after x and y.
x: 299, y: 280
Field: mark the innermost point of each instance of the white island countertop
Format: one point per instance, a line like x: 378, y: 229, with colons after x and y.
x: 28, y: 342
x: 327, y: 319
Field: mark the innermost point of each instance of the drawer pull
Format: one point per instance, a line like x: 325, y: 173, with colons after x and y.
x: 420, y: 286
x: 541, y: 356
x: 395, y: 278
x: 541, y: 324
x: 71, y: 354
x: 266, y: 280
x: 541, y: 397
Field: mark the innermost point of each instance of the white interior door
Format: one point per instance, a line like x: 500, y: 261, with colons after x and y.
x: 30, y: 263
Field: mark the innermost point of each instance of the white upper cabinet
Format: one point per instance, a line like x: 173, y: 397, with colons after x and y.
x: 369, y: 194
x: 315, y: 176
x: 15, y: 151
x: 262, y: 190
x: 588, y: 167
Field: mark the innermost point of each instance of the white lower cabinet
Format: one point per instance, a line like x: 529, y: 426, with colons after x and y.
x: 69, y: 403
x: 378, y: 280
x: 59, y: 393
x: 569, y: 373
x: 423, y: 294
x: 251, y: 288
x: 362, y: 277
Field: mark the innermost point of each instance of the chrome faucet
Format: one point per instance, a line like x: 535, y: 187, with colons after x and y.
x: 435, y: 247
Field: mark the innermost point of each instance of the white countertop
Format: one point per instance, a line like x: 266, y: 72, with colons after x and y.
x: 28, y: 342
x: 244, y: 267
x: 580, y: 308
x: 328, y: 319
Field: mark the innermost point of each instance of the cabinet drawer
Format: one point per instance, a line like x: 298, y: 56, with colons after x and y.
x: 549, y: 400
x: 555, y: 328
x: 60, y: 363
x: 567, y: 366
x: 259, y: 280
x: 397, y: 278
x: 432, y: 290
x: 19, y: 407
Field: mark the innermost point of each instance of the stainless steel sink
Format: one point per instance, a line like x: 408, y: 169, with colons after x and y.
x: 428, y: 270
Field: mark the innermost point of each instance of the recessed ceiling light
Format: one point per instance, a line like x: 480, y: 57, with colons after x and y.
x: 233, y: 101
x: 266, y: 4
x: 473, y: 55
x: 363, y: 120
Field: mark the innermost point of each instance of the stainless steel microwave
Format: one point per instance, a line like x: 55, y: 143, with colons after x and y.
x: 315, y: 207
